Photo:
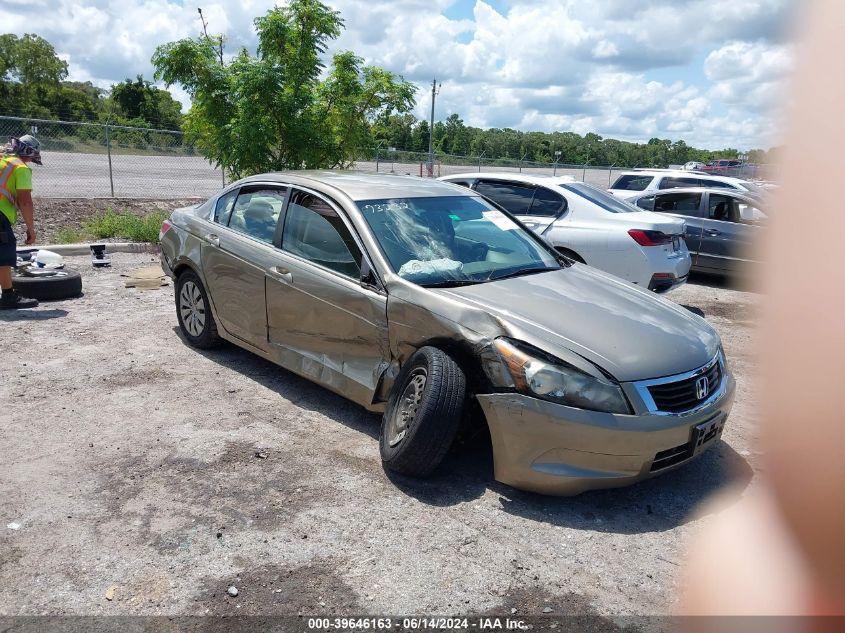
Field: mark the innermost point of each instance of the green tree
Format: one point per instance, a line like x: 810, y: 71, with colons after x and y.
x: 273, y: 111
x: 142, y: 101
x: 30, y: 73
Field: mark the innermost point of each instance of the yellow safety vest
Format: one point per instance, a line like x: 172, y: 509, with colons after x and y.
x: 8, y: 165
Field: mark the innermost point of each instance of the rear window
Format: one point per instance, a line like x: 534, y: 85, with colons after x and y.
x: 599, y: 197
x: 682, y: 203
x: 632, y: 182
x: 646, y: 203
x: 717, y: 184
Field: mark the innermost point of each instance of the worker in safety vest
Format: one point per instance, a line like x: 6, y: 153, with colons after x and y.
x: 15, y: 195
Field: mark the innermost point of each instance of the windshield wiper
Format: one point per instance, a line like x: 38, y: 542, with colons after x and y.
x: 520, y: 272
x: 452, y: 283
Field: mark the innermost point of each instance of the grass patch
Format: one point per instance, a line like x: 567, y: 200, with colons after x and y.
x: 70, y: 235
x: 125, y: 225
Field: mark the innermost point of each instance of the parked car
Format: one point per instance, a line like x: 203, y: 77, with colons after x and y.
x: 693, y: 165
x: 590, y: 226
x: 721, y: 226
x: 722, y: 165
x: 415, y: 297
x: 634, y: 183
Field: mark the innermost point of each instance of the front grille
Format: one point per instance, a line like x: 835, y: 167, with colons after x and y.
x: 679, y: 396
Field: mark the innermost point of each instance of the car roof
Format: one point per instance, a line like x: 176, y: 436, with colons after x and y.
x: 534, y: 179
x: 359, y: 185
x: 679, y: 173
x: 737, y: 193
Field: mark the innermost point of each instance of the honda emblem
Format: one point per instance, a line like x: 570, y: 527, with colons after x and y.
x: 702, y: 387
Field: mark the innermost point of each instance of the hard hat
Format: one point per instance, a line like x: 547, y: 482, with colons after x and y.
x: 27, y: 146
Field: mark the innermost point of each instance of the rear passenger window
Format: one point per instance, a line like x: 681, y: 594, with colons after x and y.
x: 546, y: 203
x: 223, y: 208
x: 677, y: 183
x: 314, y: 231
x: 681, y: 203
x: 632, y: 182
x: 256, y: 212
x: 514, y: 197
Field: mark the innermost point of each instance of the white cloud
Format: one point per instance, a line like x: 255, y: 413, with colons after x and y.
x: 549, y: 65
x: 748, y: 74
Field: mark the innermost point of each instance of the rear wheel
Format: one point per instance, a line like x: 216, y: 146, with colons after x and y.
x: 194, y: 312
x: 423, y: 413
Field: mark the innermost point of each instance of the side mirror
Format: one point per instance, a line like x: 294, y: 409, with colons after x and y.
x: 368, y: 276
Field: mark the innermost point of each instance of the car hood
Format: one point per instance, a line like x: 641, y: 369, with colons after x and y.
x: 630, y: 333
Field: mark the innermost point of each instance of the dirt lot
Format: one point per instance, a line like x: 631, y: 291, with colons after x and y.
x: 130, y: 472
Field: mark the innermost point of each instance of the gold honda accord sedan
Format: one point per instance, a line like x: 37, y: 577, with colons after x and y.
x: 418, y: 298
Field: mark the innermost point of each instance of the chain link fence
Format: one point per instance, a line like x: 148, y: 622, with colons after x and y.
x: 95, y: 160
x: 418, y: 164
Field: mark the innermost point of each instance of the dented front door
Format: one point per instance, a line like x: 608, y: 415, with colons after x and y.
x: 322, y: 323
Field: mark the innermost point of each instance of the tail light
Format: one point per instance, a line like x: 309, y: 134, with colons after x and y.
x: 165, y: 227
x: 650, y: 238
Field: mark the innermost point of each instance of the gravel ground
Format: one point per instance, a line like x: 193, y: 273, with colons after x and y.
x: 131, y: 485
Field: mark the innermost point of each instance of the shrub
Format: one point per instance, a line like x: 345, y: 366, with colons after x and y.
x: 71, y: 235
x: 126, y: 225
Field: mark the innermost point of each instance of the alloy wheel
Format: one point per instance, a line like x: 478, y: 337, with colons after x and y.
x: 192, y: 308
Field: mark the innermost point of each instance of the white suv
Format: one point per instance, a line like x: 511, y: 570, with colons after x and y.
x: 631, y: 184
x: 589, y: 225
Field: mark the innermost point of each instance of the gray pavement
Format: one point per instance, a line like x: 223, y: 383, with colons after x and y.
x: 76, y: 175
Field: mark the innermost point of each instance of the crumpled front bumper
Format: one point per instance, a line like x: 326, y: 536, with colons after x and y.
x: 553, y: 449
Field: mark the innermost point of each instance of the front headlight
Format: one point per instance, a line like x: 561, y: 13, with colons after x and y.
x: 509, y: 365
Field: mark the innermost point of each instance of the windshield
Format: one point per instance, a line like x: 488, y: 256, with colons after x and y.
x: 453, y: 240
x: 598, y: 197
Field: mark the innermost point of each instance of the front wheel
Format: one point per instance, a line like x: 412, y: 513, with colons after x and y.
x: 194, y: 312
x: 423, y: 413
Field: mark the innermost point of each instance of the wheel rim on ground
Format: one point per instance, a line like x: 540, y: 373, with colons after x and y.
x: 192, y: 308
x: 406, y: 407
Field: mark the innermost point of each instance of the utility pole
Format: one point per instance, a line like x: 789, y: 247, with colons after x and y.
x: 207, y: 38
x: 435, y: 89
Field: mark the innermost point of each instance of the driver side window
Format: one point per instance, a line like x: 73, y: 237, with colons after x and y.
x: 315, y: 232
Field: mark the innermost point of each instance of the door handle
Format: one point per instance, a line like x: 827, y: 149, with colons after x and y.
x: 214, y: 239
x: 712, y: 232
x: 281, y: 273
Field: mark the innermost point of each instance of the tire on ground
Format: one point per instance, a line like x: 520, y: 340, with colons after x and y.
x: 208, y: 337
x: 63, y: 285
x: 438, y: 415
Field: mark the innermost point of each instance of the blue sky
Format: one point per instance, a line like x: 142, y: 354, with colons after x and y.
x: 710, y: 72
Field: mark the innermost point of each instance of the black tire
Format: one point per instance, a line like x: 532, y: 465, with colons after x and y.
x: 416, y: 446
x: 63, y: 285
x: 571, y: 255
x: 197, y: 322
